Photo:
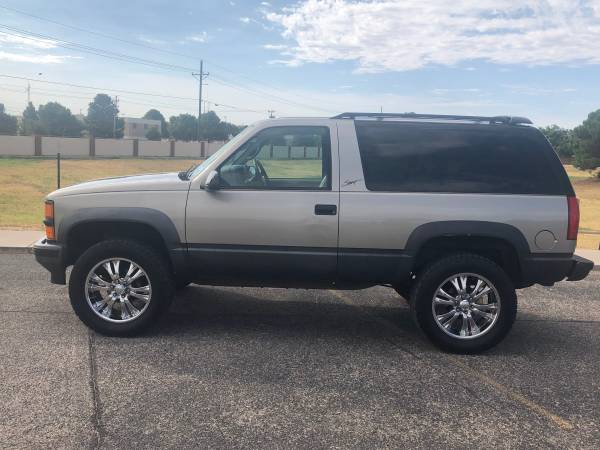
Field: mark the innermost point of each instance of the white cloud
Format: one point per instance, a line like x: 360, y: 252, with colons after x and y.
x: 399, y: 35
x: 22, y: 41
x: 32, y: 58
x: 536, y: 90
x: 444, y: 91
x: 275, y: 47
x: 201, y: 37
x: 151, y: 41
x: 245, y: 19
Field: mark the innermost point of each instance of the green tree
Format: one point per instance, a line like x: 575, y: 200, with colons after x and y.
x: 183, y: 127
x: 154, y: 114
x: 8, y: 123
x: 30, y: 123
x: 101, y: 116
x: 153, y: 134
x: 212, y: 128
x: 563, y: 140
x: 587, y: 154
x: 56, y: 120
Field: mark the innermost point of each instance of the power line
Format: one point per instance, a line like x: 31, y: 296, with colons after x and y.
x: 138, y: 44
x: 143, y: 61
x: 123, y: 91
x: 151, y: 63
x: 263, y: 94
x: 232, y: 108
x: 19, y: 32
x: 97, y: 33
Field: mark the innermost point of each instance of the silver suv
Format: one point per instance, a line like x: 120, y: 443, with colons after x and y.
x: 453, y: 212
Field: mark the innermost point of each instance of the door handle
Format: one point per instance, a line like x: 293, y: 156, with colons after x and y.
x: 325, y: 210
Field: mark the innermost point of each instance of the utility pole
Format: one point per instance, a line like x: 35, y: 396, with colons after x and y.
x: 29, y: 89
x: 115, y: 116
x: 200, y: 75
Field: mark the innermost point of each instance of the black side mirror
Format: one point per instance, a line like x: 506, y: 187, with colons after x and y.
x: 213, y: 181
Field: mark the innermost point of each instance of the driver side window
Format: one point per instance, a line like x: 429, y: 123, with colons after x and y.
x: 296, y: 157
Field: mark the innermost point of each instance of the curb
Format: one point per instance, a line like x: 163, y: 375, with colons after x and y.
x: 16, y: 250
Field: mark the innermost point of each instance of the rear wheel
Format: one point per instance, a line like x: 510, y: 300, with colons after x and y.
x: 120, y: 287
x: 464, y: 303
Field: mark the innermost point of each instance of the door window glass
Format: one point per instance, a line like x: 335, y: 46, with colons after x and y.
x: 296, y: 157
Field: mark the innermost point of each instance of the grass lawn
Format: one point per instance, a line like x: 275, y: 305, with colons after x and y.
x: 25, y: 182
x: 587, y: 188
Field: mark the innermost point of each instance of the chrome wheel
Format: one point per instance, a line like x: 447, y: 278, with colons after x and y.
x: 118, y: 290
x: 466, y: 306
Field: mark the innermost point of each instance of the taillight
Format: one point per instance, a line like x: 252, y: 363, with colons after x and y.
x: 573, y: 228
x: 49, y: 220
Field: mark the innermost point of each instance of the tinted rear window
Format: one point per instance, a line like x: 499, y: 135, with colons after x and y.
x: 409, y: 157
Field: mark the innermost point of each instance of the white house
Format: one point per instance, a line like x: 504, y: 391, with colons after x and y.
x: 137, y: 128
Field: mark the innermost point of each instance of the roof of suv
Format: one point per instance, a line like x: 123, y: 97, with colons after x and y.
x: 506, y: 120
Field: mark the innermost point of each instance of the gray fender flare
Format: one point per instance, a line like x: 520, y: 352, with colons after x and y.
x: 474, y: 228
x: 147, y: 216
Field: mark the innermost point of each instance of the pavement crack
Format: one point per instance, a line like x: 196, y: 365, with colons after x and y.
x: 455, y: 361
x: 96, y: 417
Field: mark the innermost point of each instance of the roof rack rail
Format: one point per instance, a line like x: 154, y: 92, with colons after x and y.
x: 509, y: 120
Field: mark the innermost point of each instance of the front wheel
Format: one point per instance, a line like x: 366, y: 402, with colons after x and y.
x: 464, y: 303
x: 120, y: 287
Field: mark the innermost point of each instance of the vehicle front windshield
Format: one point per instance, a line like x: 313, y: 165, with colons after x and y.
x: 240, y: 137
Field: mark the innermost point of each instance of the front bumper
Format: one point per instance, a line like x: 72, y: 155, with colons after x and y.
x: 50, y: 255
x: 548, y: 269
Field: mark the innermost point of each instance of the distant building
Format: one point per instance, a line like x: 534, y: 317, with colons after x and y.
x: 137, y: 128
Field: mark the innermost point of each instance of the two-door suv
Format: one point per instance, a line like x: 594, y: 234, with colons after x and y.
x: 454, y: 212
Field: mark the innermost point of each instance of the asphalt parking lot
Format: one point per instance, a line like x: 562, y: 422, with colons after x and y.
x: 264, y: 368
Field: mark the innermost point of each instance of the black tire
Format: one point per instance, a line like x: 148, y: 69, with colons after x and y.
x: 425, y: 289
x: 145, y: 257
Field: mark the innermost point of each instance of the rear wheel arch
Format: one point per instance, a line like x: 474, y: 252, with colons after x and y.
x: 502, y: 243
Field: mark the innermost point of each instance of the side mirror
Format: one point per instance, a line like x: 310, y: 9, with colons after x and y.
x: 213, y: 181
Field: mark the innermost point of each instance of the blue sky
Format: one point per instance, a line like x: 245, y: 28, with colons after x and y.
x: 537, y: 58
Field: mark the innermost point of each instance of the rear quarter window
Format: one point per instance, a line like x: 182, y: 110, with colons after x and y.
x: 460, y: 158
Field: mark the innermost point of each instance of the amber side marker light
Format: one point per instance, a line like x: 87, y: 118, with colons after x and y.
x: 49, y: 220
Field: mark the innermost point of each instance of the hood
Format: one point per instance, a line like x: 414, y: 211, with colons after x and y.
x: 148, y: 182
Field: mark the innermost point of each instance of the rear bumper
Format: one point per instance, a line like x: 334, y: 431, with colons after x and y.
x: 50, y: 255
x: 549, y: 269
x: 581, y: 268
